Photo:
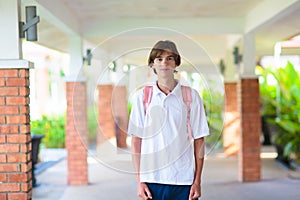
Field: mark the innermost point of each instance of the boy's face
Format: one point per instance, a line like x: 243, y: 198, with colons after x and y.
x: 164, y: 64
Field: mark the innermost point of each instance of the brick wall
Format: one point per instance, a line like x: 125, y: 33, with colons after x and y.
x: 106, y: 128
x: 77, y: 133
x: 249, y: 153
x: 15, y: 139
x: 120, y: 114
x: 231, y: 120
x: 231, y: 97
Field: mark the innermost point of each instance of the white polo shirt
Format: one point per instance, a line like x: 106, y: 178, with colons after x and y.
x: 167, y: 155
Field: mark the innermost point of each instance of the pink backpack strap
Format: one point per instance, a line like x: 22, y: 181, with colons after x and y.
x: 148, y: 90
x: 187, y: 98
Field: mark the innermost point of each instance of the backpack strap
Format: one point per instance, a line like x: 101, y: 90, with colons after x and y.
x: 148, y: 90
x: 187, y: 98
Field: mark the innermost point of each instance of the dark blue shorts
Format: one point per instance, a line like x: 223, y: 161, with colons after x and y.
x: 169, y: 192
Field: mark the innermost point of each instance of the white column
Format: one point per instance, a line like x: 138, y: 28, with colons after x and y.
x: 76, y: 59
x: 104, y: 77
x: 119, y: 77
x: 230, y: 74
x: 9, y: 27
x: 248, y: 60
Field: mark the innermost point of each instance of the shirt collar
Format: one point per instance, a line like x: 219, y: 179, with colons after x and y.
x: 176, y: 91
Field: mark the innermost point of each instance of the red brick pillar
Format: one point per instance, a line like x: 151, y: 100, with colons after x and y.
x: 231, y: 120
x: 106, y: 119
x: 249, y: 153
x: 77, y: 133
x: 15, y: 139
x: 120, y: 113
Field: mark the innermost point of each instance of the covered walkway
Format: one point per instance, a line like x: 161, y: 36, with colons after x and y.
x: 106, y: 38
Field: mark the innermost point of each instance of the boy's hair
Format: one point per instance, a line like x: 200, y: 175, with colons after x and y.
x: 162, y: 46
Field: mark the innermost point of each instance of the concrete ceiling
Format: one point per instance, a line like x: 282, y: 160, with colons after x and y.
x: 215, y: 25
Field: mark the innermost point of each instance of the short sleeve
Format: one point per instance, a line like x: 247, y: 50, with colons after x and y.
x: 136, y: 119
x: 197, y: 117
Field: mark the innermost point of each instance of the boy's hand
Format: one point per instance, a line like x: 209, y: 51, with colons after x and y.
x: 195, y: 192
x: 144, y: 192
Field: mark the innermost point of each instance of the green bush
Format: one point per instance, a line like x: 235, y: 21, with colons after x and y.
x: 92, y: 116
x: 284, y: 111
x: 53, y: 129
x: 213, y: 103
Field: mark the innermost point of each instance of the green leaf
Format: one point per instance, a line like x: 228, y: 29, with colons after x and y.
x: 288, y: 125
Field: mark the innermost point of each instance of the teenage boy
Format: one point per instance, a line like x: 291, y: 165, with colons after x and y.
x: 168, y: 134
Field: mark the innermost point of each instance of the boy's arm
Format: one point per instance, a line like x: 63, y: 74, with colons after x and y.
x: 143, y: 190
x: 136, y: 155
x: 199, y: 160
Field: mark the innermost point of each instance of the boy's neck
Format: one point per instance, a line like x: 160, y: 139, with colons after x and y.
x: 166, y: 85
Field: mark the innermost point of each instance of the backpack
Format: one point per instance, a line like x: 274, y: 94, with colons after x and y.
x: 187, y: 98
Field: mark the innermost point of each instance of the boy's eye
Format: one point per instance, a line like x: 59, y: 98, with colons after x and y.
x: 160, y: 59
x: 170, y: 58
